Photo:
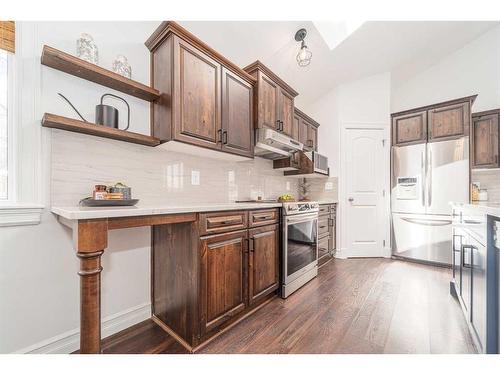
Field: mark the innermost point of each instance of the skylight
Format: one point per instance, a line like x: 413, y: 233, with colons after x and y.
x: 335, y: 32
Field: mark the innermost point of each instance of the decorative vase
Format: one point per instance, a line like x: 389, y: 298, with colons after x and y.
x: 86, y: 49
x: 122, y: 67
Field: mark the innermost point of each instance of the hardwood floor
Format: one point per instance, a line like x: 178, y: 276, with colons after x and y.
x: 353, y: 306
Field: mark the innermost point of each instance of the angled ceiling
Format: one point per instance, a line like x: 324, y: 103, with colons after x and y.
x: 375, y: 47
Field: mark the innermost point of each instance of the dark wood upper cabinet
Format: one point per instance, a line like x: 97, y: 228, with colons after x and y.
x: 237, y: 120
x: 196, y: 97
x: 409, y: 128
x: 206, y: 100
x: 484, y: 140
x: 313, y: 137
x: 273, y: 99
x: 267, y: 103
x: 449, y: 121
x: 436, y: 122
x: 295, y: 127
x: 285, y: 110
x: 307, y: 131
x: 263, y: 262
x: 223, y: 278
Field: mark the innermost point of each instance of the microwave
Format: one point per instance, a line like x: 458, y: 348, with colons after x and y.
x: 320, y: 162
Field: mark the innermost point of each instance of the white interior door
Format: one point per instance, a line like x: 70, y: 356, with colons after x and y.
x: 366, y: 174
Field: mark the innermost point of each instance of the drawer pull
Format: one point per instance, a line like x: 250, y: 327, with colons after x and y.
x: 322, y: 226
x: 263, y: 217
x: 229, y: 222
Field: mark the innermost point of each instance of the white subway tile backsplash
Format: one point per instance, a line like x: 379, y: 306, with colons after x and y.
x: 156, y: 175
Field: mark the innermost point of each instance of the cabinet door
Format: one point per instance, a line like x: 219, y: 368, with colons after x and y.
x: 295, y: 127
x: 286, y: 113
x: 313, y: 137
x: 303, y: 132
x: 263, y: 262
x: 223, y: 278
x: 267, y: 103
x: 196, y: 98
x: 478, y: 295
x: 237, y: 125
x: 449, y: 122
x: 410, y: 128
x: 484, y: 141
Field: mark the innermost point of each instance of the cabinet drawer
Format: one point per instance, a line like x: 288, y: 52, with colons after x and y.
x: 263, y: 217
x: 219, y: 222
x: 323, y: 228
x: 324, y: 209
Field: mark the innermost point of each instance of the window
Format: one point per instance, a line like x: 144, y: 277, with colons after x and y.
x: 6, y: 113
x: 19, y: 151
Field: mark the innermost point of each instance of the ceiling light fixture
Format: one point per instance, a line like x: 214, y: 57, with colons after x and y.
x: 304, y: 56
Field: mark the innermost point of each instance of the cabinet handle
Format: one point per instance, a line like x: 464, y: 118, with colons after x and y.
x: 220, y: 136
x: 282, y: 125
x: 496, y: 159
x: 471, y: 248
x: 263, y: 217
x: 279, y: 125
x: 251, y: 245
x: 330, y: 222
x: 229, y: 222
x: 224, y: 137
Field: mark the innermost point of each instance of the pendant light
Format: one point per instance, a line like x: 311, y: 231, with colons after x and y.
x: 304, y: 56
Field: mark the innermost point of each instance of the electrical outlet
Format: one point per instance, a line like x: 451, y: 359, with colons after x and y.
x: 195, y: 177
x: 328, y: 185
x: 288, y: 185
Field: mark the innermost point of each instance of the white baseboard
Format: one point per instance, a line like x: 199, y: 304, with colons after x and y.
x: 70, y: 341
x: 345, y: 254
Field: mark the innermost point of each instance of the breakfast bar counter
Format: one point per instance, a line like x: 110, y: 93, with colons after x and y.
x: 90, y: 228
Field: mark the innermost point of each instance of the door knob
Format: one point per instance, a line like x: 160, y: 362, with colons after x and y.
x: 351, y: 199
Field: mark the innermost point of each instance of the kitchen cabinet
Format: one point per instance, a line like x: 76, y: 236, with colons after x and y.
x: 478, y: 290
x: 326, y: 233
x: 237, y: 122
x: 263, y: 261
x: 307, y: 131
x: 449, y: 121
x: 197, y: 100
x: 273, y: 100
x: 208, y: 276
x: 436, y: 122
x: 223, y: 278
x: 409, y: 128
x: 206, y: 100
x: 484, y: 139
x: 475, y: 276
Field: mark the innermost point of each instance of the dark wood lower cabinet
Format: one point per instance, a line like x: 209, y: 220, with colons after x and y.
x: 224, y: 260
x: 263, y: 262
x: 204, y: 282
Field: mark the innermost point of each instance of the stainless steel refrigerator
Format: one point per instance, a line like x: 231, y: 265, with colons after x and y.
x: 426, y: 177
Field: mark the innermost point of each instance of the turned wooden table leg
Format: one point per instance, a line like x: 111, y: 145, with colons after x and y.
x: 91, y: 241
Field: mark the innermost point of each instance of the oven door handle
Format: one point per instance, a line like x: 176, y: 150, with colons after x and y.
x: 301, y: 219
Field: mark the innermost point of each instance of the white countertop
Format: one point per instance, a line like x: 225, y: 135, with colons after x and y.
x: 480, y: 207
x: 80, y: 213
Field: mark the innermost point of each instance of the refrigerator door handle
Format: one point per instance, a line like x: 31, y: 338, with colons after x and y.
x: 422, y: 184
x: 429, y: 178
x: 428, y: 222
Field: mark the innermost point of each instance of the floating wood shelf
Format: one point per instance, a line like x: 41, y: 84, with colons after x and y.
x: 73, y: 65
x: 64, y: 123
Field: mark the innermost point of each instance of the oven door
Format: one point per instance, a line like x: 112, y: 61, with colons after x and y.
x: 300, y: 245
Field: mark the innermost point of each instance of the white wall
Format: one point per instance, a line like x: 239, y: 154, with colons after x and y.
x: 473, y: 69
x: 366, y: 101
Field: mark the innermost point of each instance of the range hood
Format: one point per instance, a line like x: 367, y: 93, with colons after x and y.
x: 273, y: 145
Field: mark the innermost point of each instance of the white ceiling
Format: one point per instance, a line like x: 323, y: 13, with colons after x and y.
x: 375, y: 47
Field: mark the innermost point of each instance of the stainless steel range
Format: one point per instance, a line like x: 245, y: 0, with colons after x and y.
x: 300, y: 245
